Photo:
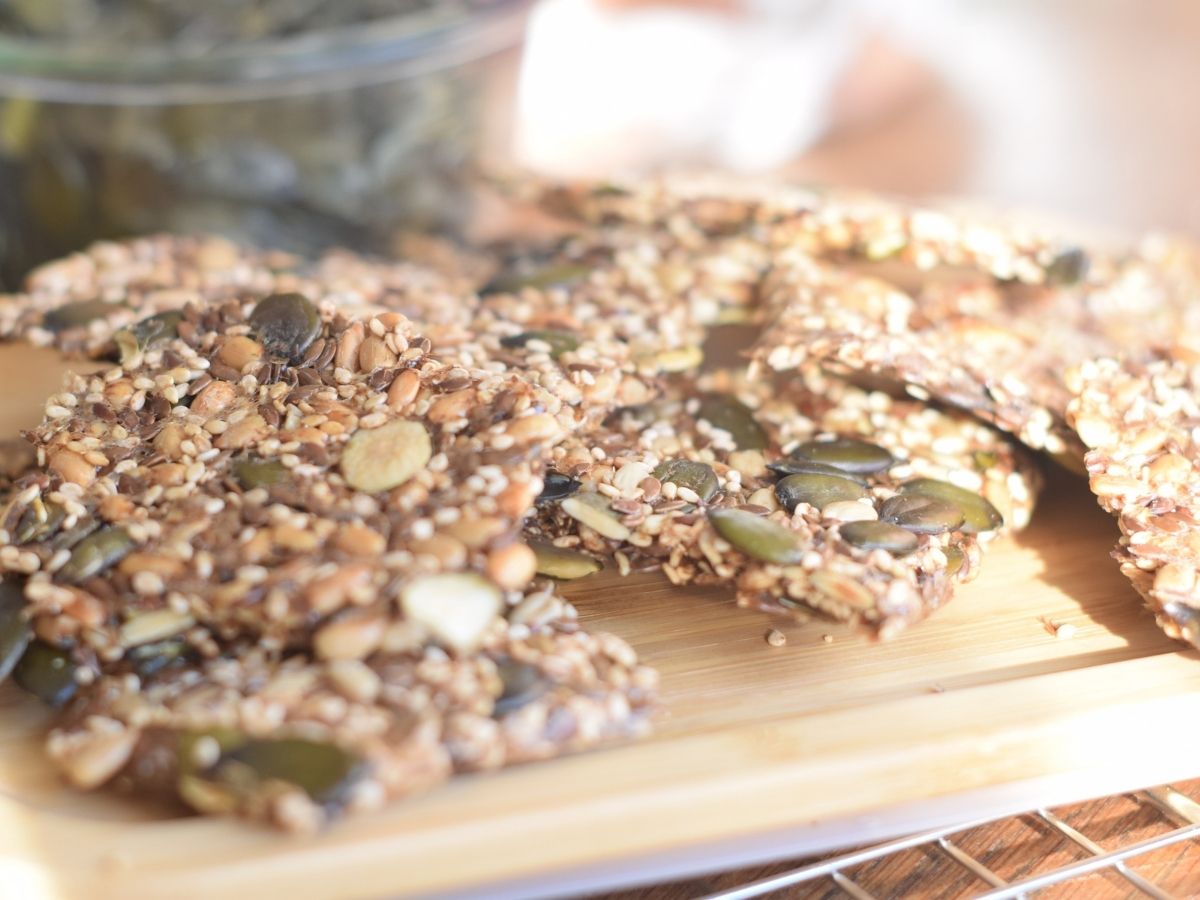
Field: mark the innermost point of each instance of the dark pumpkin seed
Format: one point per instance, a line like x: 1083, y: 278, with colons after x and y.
x: 559, y: 342
x: 730, y: 414
x: 286, y: 324
x: 816, y: 490
x: 686, y: 473
x: 149, y: 659
x: 921, y: 515
x: 556, y: 486
x: 323, y: 771
x: 15, y: 630
x: 548, y: 276
x: 871, y: 535
x: 1068, y: 267
x: 77, y: 315
x: 979, y: 514
x: 954, y: 560
x: 146, y: 333
x: 39, y: 521
x: 95, y: 553
x: 807, y: 467
x: 757, y: 536
x: 523, y: 684
x: 253, y: 473
x: 846, y: 453
x: 563, y: 563
x: 46, y: 672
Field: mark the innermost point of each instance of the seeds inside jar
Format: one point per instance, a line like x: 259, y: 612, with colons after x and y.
x: 816, y: 490
x: 846, y: 453
x: 286, y: 324
x: 686, y: 473
x: 871, y: 535
x: 979, y: 515
x: 757, y: 536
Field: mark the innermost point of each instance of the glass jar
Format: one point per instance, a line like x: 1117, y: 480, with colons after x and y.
x: 343, y: 137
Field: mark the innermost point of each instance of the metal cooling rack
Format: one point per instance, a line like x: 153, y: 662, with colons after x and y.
x: 1175, y: 806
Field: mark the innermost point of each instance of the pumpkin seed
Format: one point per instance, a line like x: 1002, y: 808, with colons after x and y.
x: 985, y: 459
x: 686, y: 473
x: 1068, y: 267
x: 323, y: 771
x: 150, y: 659
x: 39, y: 521
x: 556, y: 486
x: 253, y: 472
x: 95, y: 553
x: 954, y: 560
x: 457, y: 609
x: 15, y: 630
x: 730, y: 414
x: 806, y: 467
x: 77, y: 315
x: 523, y: 683
x: 816, y: 490
x: 548, y: 276
x: 562, y: 563
x: 757, y: 536
x: 286, y: 324
x: 871, y: 535
x: 559, y: 342
x: 46, y: 672
x: 846, y: 453
x: 921, y: 515
x: 379, y: 459
x: 149, y: 331
x: 593, y: 511
x: 979, y: 514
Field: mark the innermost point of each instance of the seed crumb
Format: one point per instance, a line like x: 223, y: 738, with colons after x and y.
x: 775, y: 637
x: 827, y: 638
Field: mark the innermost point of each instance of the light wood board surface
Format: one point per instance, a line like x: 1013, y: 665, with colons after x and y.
x: 760, y: 751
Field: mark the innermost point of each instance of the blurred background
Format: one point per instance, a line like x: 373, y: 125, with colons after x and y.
x: 303, y: 124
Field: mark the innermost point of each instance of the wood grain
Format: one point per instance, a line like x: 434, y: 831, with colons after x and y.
x: 761, y: 751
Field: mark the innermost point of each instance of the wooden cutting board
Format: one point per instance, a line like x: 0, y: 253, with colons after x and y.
x: 761, y: 751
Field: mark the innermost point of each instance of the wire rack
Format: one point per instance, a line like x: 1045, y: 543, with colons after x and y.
x: 1174, y: 806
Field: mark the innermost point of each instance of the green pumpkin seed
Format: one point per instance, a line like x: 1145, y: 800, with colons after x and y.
x: 46, y: 672
x: 523, y: 683
x: 1068, y: 267
x: 805, y: 467
x: 816, y: 490
x: 286, y: 325
x: 557, y: 486
x: 730, y: 414
x: 686, y: 473
x: 559, y: 342
x: 954, y: 560
x: 563, y: 563
x: 95, y: 553
x: 252, y: 472
x: 871, y: 535
x: 39, y: 521
x: 323, y: 771
x: 593, y: 511
x: 985, y: 459
x: 146, y: 333
x: 15, y: 630
x: 557, y: 275
x: 77, y: 315
x: 757, y: 536
x: 979, y: 514
x: 150, y: 659
x: 921, y: 515
x: 846, y: 453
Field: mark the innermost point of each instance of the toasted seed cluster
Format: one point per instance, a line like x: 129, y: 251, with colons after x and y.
x: 296, y: 551
x: 1144, y: 467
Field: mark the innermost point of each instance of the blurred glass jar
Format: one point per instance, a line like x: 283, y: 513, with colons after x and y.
x: 345, y: 136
